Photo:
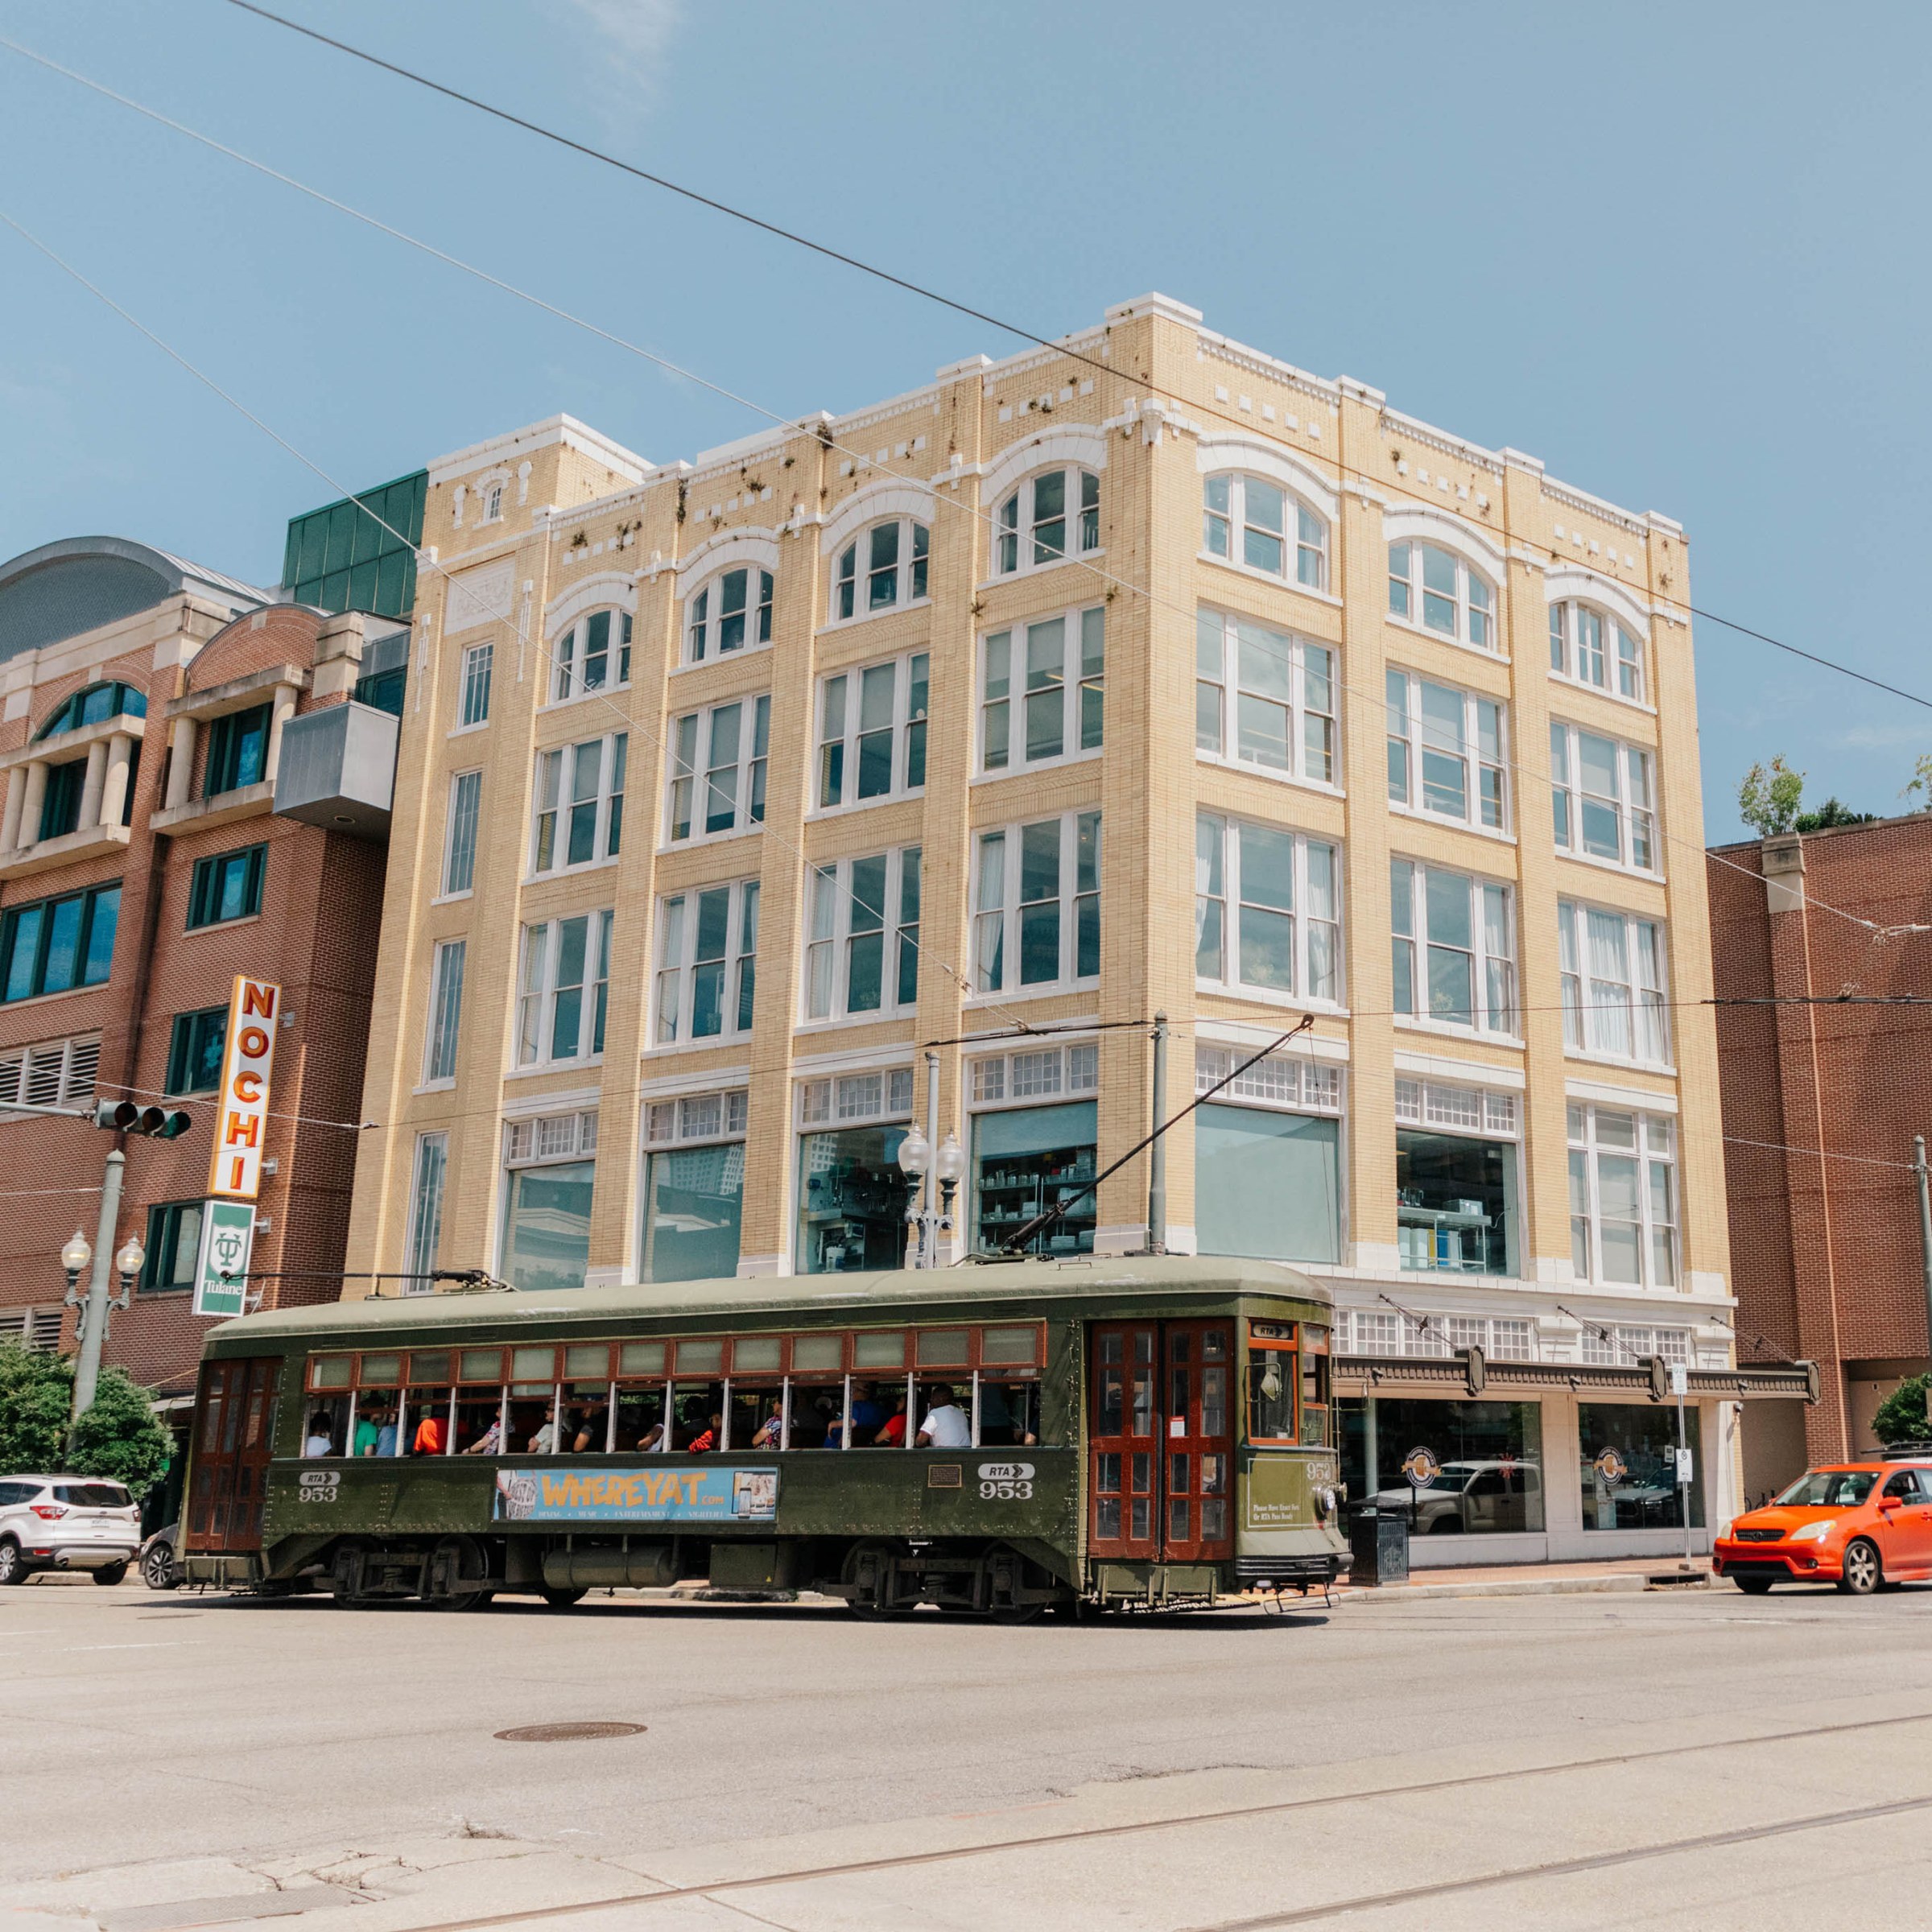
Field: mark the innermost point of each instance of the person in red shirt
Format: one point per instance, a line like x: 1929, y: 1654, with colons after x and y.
x: 432, y: 1433
x: 892, y: 1431
x: 706, y: 1440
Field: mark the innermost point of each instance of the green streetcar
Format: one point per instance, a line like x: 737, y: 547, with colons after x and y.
x: 1115, y: 1433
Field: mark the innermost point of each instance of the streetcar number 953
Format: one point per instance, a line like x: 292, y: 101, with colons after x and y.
x: 1005, y: 1482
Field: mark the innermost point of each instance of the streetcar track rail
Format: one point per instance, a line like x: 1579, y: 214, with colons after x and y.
x: 1232, y: 1813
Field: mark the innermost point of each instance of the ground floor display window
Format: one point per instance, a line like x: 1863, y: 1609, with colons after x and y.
x: 1453, y: 1468
x: 547, y: 1224
x: 852, y: 1201
x: 1627, y: 1454
x: 1026, y: 1160
x: 1455, y: 1202
x: 693, y: 1197
x: 1267, y: 1184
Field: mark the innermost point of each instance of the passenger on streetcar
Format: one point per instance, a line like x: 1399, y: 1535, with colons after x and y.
x: 655, y: 1439
x: 432, y: 1433
x: 386, y: 1436
x: 369, y: 1429
x: 321, y: 1438
x: 544, y: 1442
x: 945, y: 1425
x: 487, y: 1443
x: 592, y: 1431
x: 892, y: 1431
x: 705, y: 1441
x: 772, y: 1430
x: 866, y: 1414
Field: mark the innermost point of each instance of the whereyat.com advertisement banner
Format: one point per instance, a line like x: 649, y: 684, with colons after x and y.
x: 637, y: 1495
x: 241, y: 1121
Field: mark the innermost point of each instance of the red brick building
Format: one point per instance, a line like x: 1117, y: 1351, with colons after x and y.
x: 156, y: 734
x: 1820, y: 1106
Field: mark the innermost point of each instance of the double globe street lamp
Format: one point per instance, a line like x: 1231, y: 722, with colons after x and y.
x: 922, y: 1167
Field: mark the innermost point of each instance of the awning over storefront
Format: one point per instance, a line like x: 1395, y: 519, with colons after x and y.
x: 1454, y: 1375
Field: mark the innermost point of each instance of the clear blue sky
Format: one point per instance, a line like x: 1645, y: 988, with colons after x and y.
x: 1678, y: 253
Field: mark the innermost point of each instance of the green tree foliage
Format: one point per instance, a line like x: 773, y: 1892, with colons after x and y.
x: 1834, y: 811
x: 118, y: 1437
x: 1901, y: 1415
x: 1920, y: 790
x: 1768, y: 798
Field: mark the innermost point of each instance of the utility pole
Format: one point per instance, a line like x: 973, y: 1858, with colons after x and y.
x: 1157, y: 1154
x: 93, y: 1322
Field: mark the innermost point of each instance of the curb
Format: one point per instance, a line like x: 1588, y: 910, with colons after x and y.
x: 1624, y: 1582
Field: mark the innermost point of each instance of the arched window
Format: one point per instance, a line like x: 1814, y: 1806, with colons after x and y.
x: 493, y: 503
x: 1435, y: 587
x: 1249, y: 520
x: 1589, y: 646
x: 1033, y: 523
x: 884, y: 567
x: 723, y: 618
x: 582, y: 656
x: 95, y: 705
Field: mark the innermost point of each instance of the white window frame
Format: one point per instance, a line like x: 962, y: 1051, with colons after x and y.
x: 443, y: 1034
x: 51, y: 1073
x: 837, y: 922
x: 1632, y: 766
x: 1218, y: 667
x: 474, y: 688
x: 996, y: 926
x: 1415, y: 740
x: 539, y: 992
x: 1467, y: 613
x: 1018, y: 525
x: 556, y: 809
x: 842, y: 693
x: 453, y: 822
x: 1591, y: 1022
x: 831, y: 1101
x: 1227, y: 529
x: 686, y: 763
x: 1039, y: 1077
x: 675, y: 976
x: 856, y: 578
x: 1594, y: 648
x: 697, y: 1119
x: 1228, y: 907
x: 424, y: 1240
x: 1494, y: 973
x: 571, y: 657
x: 1659, y: 1221
x: 705, y: 617
x: 1081, y: 690
x: 1282, y: 1082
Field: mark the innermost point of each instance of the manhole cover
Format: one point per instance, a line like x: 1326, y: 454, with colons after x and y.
x: 565, y: 1734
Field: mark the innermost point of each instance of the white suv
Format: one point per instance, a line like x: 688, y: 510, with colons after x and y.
x: 66, y: 1522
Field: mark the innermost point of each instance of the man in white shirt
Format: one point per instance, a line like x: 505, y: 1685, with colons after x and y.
x: 945, y: 1425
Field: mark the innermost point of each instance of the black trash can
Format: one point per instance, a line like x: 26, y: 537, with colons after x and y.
x: 1378, y: 1540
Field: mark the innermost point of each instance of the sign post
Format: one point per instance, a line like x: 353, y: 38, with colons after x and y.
x: 1680, y: 1384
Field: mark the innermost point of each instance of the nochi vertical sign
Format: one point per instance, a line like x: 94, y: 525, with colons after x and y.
x: 241, y: 1124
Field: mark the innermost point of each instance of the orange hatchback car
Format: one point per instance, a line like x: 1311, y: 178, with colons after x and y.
x: 1861, y: 1525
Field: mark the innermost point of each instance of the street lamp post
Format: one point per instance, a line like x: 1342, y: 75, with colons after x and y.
x: 94, y: 1307
x: 925, y: 1168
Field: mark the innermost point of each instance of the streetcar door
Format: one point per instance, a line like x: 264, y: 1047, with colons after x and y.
x: 1197, y: 1436
x: 1123, y: 1443
x: 234, y: 1433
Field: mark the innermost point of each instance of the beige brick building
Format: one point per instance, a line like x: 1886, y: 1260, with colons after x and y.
x: 1143, y: 673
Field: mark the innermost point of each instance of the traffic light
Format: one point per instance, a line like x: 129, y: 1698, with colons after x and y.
x: 128, y: 1116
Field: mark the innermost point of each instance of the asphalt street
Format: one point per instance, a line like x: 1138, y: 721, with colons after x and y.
x: 1694, y: 1759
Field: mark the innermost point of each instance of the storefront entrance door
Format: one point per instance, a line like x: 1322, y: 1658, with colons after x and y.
x: 234, y: 1435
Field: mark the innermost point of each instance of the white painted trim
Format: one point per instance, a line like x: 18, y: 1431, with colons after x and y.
x: 607, y: 586
x: 1078, y: 443
x: 720, y: 552
x: 1235, y: 1033
x: 573, y: 1100
x: 672, y: 1085
x: 1241, y: 449
x: 881, y: 1058
x: 1566, y: 580
x: 877, y: 504
x: 1426, y: 524
x: 563, y: 429
x: 1475, y: 1073
x: 1641, y: 1098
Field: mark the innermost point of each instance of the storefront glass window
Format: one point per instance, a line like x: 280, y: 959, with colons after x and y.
x: 1267, y: 1184
x: 692, y: 1196
x: 1486, y: 1457
x: 852, y: 1201
x: 1455, y: 1202
x: 547, y: 1225
x: 1024, y: 1161
x: 1627, y: 1454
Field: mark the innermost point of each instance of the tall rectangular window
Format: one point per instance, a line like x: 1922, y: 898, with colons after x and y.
x: 715, y: 776
x: 1037, y: 904
x: 1454, y: 948
x: 60, y: 803
x: 694, y: 1186
x: 445, y: 1010
x: 872, y: 732
x: 194, y: 1052
x: 1601, y: 799
x: 1613, y: 983
x: 174, y: 1246
x: 226, y: 886
x: 426, y: 1209
x: 707, y: 962
x: 563, y: 989
x: 1043, y: 690
x: 55, y: 945
x: 1623, y: 1197
x: 1264, y: 698
x: 237, y: 751
x: 578, y: 818
x: 1590, y: 648
x: 1447, y: 755
x: 459, y: 846
x: 1266, y: 913
x: 862, y: 936
x: 474, y: 707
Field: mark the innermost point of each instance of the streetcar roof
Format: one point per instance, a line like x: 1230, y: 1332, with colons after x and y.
x: 884, y: 1296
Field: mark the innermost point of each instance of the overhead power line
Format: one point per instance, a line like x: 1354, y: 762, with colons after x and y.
x: 1059, y: 345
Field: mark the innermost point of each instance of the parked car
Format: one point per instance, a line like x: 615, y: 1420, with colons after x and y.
x: 160, y: 1561
x: 1858, y: 1525
x: 1471, y: 1496
x: 66, y: 1522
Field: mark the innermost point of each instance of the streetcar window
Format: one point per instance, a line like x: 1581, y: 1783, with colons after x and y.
x: 641, y: 1416
x: 533, y: 1364
x: 641, y: 1358
x: 756, y: 1411
x: 587, y: 1418
x: 700, y: 1358
x: 480, y: 1365
x: 810, y: 1351
x: 479, y: 1412
x: 530, y: 1407
x: 814, y: 1410
x: 1214, y: 1497
x: 943, y: 1347
x: 756, y: 1355
x: 878, y: 1351
x: 697, y: 1414
x: 1009, y: 1348
x: 429, y: 1421
x: 588, y: 1358
x: 1010, y: 1414
x: 326, y: 1427
x: 1271, y: 1380
x: 381, y: 1371
x: 331, y: 1371
x: 375, y: 1422
x: 427, y: 1366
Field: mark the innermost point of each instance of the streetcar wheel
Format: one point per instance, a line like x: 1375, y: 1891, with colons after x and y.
x: 158, y: 1570
x: 110, y: 1574
x: 1861, y: 1572
x: 455, y: 1561
x: 1752, y: 1586
x: 1018, y: 1613
x: 560, y: 1596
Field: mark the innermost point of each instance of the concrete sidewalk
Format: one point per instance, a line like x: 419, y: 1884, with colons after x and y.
x: 1545, y: 1580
